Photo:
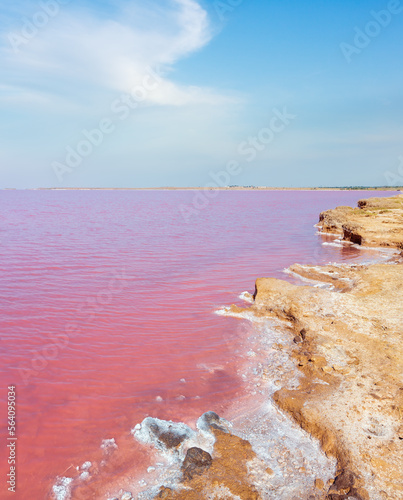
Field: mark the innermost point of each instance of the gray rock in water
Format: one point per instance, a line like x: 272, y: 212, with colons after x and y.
x: 163, y: 434
x: 210, y: 420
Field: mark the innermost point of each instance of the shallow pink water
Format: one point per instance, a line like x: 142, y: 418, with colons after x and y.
x: 107, y: 302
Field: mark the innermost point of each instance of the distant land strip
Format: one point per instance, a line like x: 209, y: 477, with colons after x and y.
x: 226, y: 188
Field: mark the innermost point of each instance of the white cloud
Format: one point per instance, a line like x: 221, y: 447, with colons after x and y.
x: 79, y: 52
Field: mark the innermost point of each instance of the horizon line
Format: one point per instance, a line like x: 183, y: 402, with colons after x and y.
x: 196, y: 188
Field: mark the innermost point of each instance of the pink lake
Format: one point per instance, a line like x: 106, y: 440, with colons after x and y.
x: 107, y: 314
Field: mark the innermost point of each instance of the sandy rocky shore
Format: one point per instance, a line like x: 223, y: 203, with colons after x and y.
x: 346, y: 336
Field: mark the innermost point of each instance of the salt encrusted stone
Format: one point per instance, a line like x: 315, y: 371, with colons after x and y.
x: 163, y: 434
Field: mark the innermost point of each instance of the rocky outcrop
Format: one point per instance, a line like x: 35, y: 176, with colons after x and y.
x: 227, y: 472
x: 162, y: 434
x: 350, y: 353
x: 377, y: 222
x: 223, y: 473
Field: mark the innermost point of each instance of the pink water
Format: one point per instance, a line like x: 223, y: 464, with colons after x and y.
x: 107, y: 304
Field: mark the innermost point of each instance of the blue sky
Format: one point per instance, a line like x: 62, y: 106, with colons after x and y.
x: 192, y: 93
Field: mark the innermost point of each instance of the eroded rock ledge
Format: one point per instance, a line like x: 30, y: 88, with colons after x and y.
x: 377, y: 222
x: 353, y: 342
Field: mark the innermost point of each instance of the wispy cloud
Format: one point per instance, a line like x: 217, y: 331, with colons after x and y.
x: 81, y: 51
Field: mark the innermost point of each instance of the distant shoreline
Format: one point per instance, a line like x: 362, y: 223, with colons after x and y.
x: 230, y: 188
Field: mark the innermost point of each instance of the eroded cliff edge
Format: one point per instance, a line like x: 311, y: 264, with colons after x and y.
x: 377, y: 222
x: 352, y: 341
